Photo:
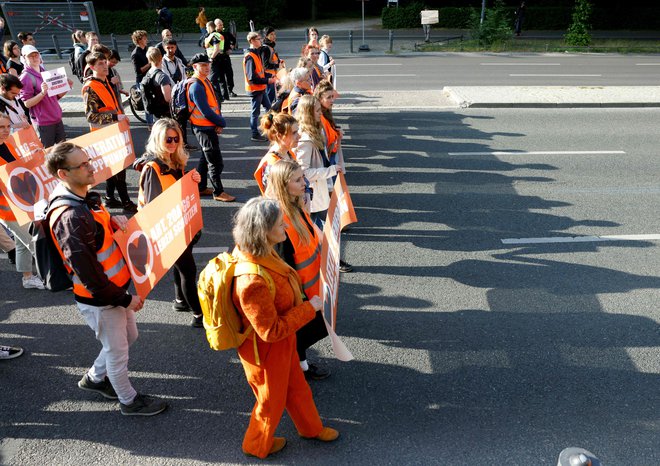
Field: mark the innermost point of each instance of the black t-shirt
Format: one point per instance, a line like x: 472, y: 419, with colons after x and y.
x: 17, y: 66
x: 139, y: 59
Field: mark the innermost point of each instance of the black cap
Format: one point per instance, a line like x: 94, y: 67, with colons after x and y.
x: 199, y: 58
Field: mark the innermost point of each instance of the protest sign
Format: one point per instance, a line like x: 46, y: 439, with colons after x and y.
x: 26, y: 142
x: 26, y: 181
x: 57, y: 81
x: 159, y: 233
x: 340, y: 214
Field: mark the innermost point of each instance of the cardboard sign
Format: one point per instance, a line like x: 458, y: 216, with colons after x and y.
x: 159, y: 233
x: 57, y: 81
x: 26, y: 142
x: 26, y: 181
x: 340, y: 214
x: 430, y: 17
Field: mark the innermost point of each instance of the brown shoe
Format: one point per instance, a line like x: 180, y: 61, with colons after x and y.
x: 206, y: 192
x: 224, y: 197
x: 328, y: 434
x: 278, y: 444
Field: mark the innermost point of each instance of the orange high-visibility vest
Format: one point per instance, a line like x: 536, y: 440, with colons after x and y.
x: 165, y: 181
x: 6, y: 213
x: 274, y: 60
x: 107, y: 96
x: 331, y: 135
x: 307, y: 257
x: 108, y: 255
x: 197, y: 118
x: 261, y: 173
x: 258, y: 68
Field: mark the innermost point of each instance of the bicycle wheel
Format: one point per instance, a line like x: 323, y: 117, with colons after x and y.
x: 139, y: 114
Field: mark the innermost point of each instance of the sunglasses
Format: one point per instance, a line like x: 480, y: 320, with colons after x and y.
x: 171, y: 139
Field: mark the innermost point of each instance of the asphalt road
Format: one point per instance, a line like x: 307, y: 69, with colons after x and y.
x: 468, y: 350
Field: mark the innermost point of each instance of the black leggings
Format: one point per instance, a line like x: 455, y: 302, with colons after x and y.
x: 117, y: 182
x: 185, y: 281
x: 313, y: 331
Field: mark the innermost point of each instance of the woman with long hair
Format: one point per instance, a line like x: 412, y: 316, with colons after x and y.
x: 281, y: 130
x: 164, y: 164
x: 13, y: 54
x: 301, y: 250
x: 275, y: 310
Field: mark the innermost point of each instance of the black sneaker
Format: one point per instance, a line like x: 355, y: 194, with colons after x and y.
x: 111, y: 202
x: 180, y: 306
x: 345, y: 267
x: 233, y: 94
x: 11, y: 255
x: 104, y: 388
x: 258, y: 138
x: 197, y: 321
x: 130, y: 207
x: 143, y: 405
x: 316, y: 373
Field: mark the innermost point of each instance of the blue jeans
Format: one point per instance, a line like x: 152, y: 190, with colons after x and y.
x: 258, y: 99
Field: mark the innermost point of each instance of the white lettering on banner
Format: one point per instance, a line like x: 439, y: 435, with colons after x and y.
x: 172, y: 224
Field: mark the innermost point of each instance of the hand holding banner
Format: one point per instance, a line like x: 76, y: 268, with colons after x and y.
x: 159, y: 233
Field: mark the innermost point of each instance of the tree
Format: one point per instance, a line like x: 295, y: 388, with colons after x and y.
x: 495, y: 26
x: 578, y: 32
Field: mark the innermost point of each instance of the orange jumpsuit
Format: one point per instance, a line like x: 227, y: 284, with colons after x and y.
x: 278, y: 381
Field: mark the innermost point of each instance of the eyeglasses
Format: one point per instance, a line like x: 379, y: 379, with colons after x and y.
x: 315, y: 53
x: 82, y: 165
x: 171, y: 139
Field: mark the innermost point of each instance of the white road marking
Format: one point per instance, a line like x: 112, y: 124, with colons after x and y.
x: 550, y: 152
x: 210, y: 250
x: 519, y: 64
x: 370, y: 64
x: 555, y: 75
x: 647, y: 64
x: 581, y: 239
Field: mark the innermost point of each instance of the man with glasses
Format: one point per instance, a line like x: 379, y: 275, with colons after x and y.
x: 82, y: 231
x: 256, y: 81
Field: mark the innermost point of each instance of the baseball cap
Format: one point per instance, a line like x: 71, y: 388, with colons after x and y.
x: 199, y: 58
x: 28, y: 49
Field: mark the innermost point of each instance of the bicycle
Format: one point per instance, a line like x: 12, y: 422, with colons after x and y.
x: 136, y: 103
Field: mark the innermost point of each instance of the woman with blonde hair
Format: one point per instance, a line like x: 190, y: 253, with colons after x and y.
x: 164, y: 164
x: 312, y: 156
x: 301, y: 250
x: 273, y: 305
x: 281, y: 130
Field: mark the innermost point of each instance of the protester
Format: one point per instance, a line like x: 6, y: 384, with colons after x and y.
x: 92, y: 39
x: 158, y: 83
x: 164, y: 164
x: 207, y: 123
x: 317, y: 73
x: 312, y: 37
x: 215, y: 44
x: 172, y: 65
x: 26, y: 38
x: 45, y: 110
x: 7, y: 244
x: 201, y: 22
x: 83, y: 234
x: 281, y: 130
x: 21, y: 236
x: 10, y: 352
x: 141, y: 64
x: 256, y: 81
x: 13, y: 54
x: 166, y: 35
x: 270, y: 361
x: 165, y: 17
x: 301, y: 250
x: 325, y: 61
x: 326, y: 94
x: 114, y: 76
x: 10, y: 88
x: 226, y: 68
x: 79, y: 43
x: 102, y: 108
x: 302, y: 85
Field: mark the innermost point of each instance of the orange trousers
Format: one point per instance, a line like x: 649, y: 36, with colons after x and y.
x: 277, y: 383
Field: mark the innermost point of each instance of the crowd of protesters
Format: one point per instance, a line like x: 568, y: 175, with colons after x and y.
x: 280, y: 231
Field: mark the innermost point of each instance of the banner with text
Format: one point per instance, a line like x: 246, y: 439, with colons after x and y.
x: 26, y: 181
x: 340, y: 214
x: 159, y: 233
x: 26, y: 142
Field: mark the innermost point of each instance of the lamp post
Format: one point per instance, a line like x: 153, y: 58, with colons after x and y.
x: 364, y: 47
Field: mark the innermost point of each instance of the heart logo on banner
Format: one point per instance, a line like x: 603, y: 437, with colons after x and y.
x: 25, y: 188
x: 138, y: 254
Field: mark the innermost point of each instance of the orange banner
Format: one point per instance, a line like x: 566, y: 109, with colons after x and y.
x: 27, y: 142
x: 159, y: 233
x: 340, y: 214
x: 26, y: 181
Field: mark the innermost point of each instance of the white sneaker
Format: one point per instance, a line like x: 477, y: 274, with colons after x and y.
x: 33, y: 282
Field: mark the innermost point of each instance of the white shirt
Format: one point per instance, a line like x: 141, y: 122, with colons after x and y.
x: 16, y: 114
x: 170, y: 66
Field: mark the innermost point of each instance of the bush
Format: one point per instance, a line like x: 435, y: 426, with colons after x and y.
x: 404, y: 17
x: 125, y: 22
x: 496, y: 26
x: 578, y: 31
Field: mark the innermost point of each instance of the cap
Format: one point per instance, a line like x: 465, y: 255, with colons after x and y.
x: 28, y: 49
x: 199, y: 58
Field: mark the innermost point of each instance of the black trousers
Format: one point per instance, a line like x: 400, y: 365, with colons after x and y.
x: 313, y: 331
x: 217, y: 77
x: 228, y: 71
x: 211, y: 163
x: 117, y: 182
x: 185, y: 280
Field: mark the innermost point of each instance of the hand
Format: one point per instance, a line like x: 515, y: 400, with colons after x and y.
x: 331, y: 62
x: 70, y: 82
x: 120, y: 222
x: 196, y: 177
x: 136, y: 303
x: 218, y: 129
x: 272, y: 80
x: 317, y: 303
x: 114, y: 80
x: 122, y: 117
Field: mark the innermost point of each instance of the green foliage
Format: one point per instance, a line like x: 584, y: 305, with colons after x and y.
x: 404, y: 17
x: 578, y: 32
x: 454, y: 18
x: 496, y: 26
x: 125, y: 22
